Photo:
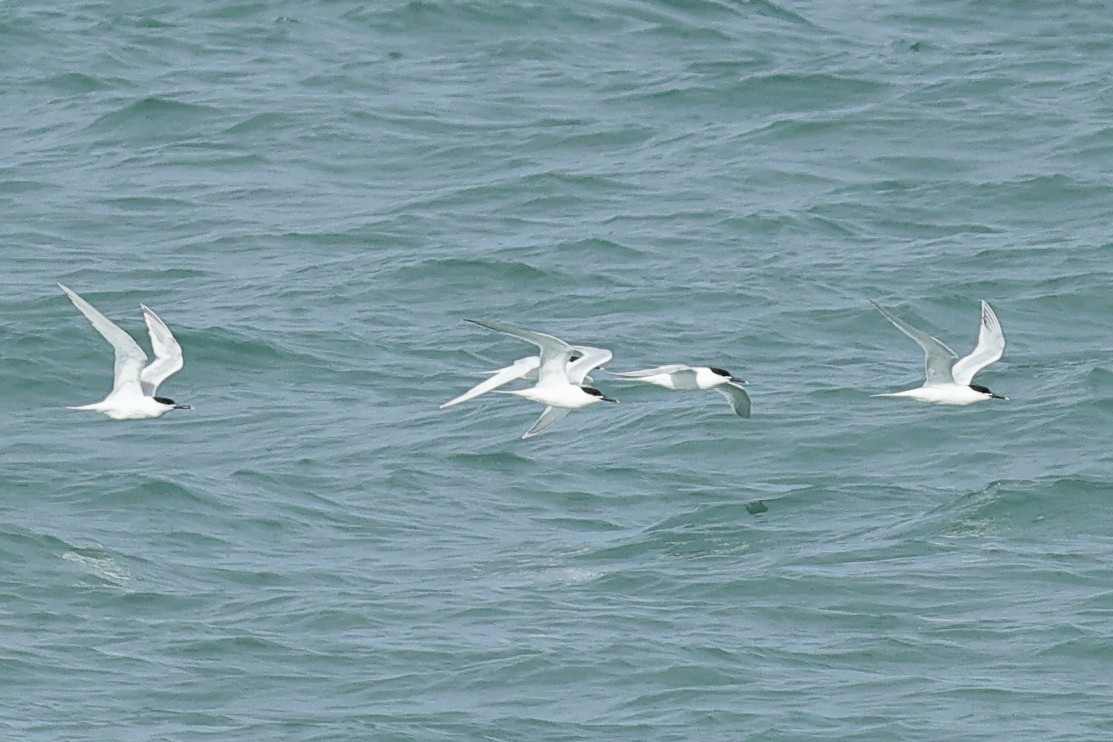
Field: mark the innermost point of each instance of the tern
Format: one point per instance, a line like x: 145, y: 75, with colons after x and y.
x: 948, y: 376
x: 558, y: 377
x: 526, y: 368
x: 135, y: 383
x: 678, y: 376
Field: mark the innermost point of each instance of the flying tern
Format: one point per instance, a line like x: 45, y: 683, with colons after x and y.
x: 678, y: 376
x: 526, y: 368
x: 948, y: 376
x: 135, y: 383
x: 558, y: 377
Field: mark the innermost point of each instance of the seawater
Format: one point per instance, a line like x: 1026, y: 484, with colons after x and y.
x: 313, y: 196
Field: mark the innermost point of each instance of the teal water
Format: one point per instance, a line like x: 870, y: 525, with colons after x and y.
x: 313, y: 196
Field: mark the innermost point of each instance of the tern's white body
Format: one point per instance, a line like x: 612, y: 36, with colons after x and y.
x: 567, y: 396
x: 692, y: 378
x: 134, y: 384
x: 128, y: 407
x: 558, y: 376
x: 949, y: 394
x: 676, y: 376
x: 527, y: 369
x: 948, y: 377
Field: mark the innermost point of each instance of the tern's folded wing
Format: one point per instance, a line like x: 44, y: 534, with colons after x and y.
x: 990, y: 347
x: 518, y: 370
x: 590, y: 358
x: 672, y: 368
x: 550, y: 417
x: 539, y: 339
x: 168, y: 354
x: 938, y: 358
x: 738, y: 398
x: 129, y: 356
x: 555, y: 353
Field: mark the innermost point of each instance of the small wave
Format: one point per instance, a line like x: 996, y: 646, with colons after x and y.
x: 75, y: 83
x: 154, y: 118
x: 101, y: 565
x: 1060, y: 504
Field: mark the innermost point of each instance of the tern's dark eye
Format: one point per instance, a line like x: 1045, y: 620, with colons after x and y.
x: 980, y: 388
x: 720, y: 372
x: 592, y: 391
x: 165, y: 400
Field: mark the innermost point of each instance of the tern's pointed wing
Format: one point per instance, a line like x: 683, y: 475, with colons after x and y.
x: 672, y: 368
x: 938, y: 358
x: 737, y: 396
x: 550, y: 417
x: 528, y: 365
x: 168, y: 354
x: 555, y: 353
x: 517, y: 370
x: 991, y: 344
x: 130, y: 358
x: 592, y: 358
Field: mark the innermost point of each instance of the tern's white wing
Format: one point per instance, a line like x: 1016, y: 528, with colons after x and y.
x: 517, y: 370
x: 168, y: 354
x: 991, y: 344
x: 130, y: 358
x: 737, y: 396
x: 672, y: 368
x: 592, y: 358
x: 550, y: 417
x: 528, y: 365
x: 555, y: 353
x: 938, y: 358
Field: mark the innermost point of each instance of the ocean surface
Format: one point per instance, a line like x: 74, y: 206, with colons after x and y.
x: 314, y: 196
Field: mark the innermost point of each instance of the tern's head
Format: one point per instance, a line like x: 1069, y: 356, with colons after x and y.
x: 596, y: 393
x: 171, y: 403
x: 726, y: 375
x: 985, y: 390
